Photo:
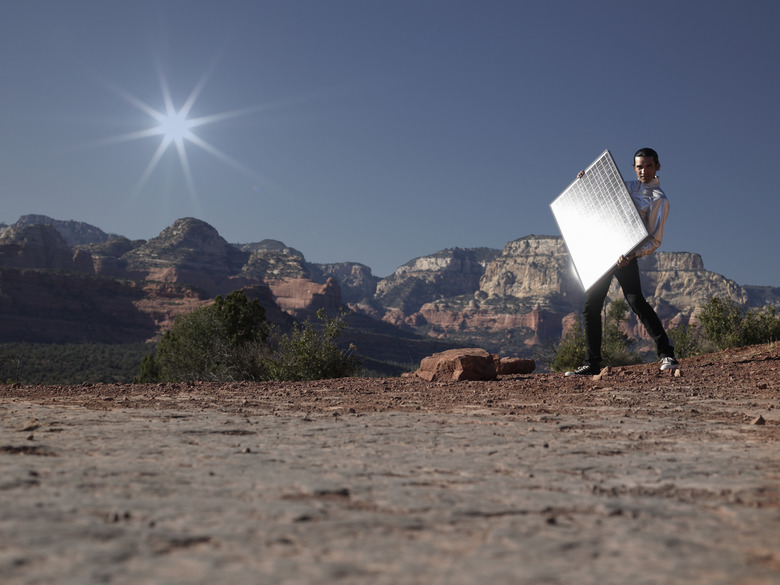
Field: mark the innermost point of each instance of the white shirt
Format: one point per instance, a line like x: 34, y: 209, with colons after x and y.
x: 653, y: 207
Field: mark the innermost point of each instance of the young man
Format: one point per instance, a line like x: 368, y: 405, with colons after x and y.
x: 653, y: 207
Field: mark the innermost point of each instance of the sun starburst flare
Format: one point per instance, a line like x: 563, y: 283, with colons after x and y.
x: 175, y: 126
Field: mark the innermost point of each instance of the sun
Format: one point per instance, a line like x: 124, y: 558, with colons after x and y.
x: 174, y: 126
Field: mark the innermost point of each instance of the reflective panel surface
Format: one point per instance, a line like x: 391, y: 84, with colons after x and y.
x: 598, y: 220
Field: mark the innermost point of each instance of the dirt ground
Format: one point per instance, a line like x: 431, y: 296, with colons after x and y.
x: 637, y: 476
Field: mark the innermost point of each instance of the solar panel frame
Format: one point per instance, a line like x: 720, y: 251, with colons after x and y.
x: 598, y: 220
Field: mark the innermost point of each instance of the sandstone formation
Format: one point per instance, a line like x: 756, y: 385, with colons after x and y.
x: 471, y: 363
x: 510, y: 301
x: 535, y: 269
x: 73, y: 232
x: 448, y: 273
x: 528, y: 295
x: 188, y: 251
x: 358, y: 285
x: 300, y: 296
x: 56, y: 307
x: 40, y: 247
x: 272, y: 260
x: 120, y: 291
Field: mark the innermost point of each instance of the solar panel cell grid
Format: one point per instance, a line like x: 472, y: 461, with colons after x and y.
x: 598, y: 220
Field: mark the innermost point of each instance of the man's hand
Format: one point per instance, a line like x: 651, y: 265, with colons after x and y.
x: 580, y: 174
x: 624, y: 260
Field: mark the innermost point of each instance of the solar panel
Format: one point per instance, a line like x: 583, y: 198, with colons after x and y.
x: 598, y: 220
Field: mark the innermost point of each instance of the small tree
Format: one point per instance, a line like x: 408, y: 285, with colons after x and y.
x: 311, y: 353
x: 570, y: 352
x: 150, y: 371
x: 761, y: 326
x: 616, y: 344
x: 721, y: 321
x: 221, y: 342
x: 243, y: 320
x: 686, y: 340
x: 725, y: 325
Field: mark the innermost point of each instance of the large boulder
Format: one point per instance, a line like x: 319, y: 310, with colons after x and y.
x: 513, y: 366
x: 459, y: 364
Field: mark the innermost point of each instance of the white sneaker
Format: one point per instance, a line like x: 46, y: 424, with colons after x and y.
x: 669, y: 363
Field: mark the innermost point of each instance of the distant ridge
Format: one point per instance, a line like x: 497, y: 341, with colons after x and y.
x: 511, y: 301
x: 75, y: 233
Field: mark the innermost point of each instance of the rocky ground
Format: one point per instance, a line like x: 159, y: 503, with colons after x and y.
x: 636, y: 476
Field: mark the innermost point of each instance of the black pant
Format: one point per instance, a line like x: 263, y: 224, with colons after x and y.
x: 628, y: 277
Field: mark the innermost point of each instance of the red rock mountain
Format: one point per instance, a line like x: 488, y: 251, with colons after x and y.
x: 528, y: 295
x: 108, y: 288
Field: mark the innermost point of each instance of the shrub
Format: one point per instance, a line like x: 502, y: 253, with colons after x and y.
x: 570, y: 353
x: 230, y: 340
x: 616, y: 345
x: 725, y: 325
x: 721, y: 322
x: 686, y: 340
x: 223, y: 341
x: 761, y: 326
x: 311, y: 353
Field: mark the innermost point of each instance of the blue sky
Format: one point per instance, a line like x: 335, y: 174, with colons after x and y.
x: 380, y: 131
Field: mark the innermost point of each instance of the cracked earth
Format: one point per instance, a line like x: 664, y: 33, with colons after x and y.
x: 636, y: 476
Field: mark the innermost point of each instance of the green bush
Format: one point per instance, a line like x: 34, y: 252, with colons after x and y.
x: 616, y: 345
x: 721, y: 323
x: 570, y: 353
x: 686, y: 340
x: 761, y: 326
x: 220, y: 342
x: 725, y: 325
x: 311, y: 353
x: 230, y: 340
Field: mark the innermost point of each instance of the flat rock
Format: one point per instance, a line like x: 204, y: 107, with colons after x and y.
x: 459, y: 364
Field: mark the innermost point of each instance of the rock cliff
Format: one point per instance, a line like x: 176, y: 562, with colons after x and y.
x: 272, y: 260
x: 528, y: 294
x: 358, y: 285
x: 188, y: 260
x: 41, y: 247
x: 188, y: 251
x: 508, y: 301
x: 535, y: 270
x: 448, y: 273
x: 74, y: 233
x: 46, y: 306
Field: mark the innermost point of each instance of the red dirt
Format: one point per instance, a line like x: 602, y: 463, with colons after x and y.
x: 728, y: 382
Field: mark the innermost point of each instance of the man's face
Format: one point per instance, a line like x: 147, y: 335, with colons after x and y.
x: 645, y: 168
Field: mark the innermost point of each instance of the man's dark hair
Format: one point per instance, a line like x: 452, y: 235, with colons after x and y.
x: 646, y: 153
